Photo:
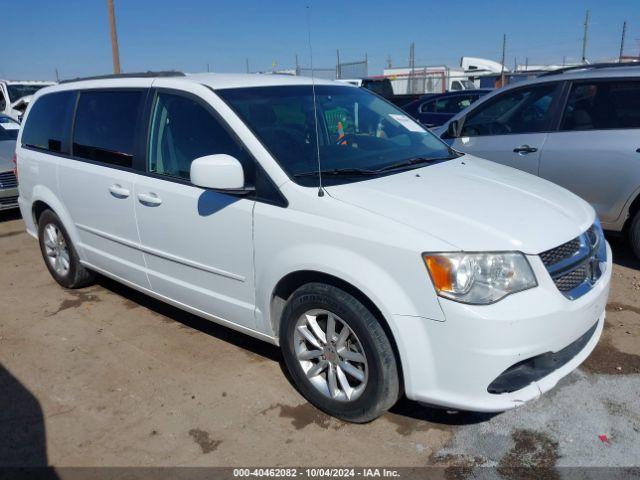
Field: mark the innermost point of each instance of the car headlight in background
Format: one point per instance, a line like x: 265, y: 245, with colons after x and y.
x: 479, y: 278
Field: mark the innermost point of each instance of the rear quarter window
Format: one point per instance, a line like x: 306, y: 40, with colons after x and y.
x: 106, y: 125
x: 48, y: 125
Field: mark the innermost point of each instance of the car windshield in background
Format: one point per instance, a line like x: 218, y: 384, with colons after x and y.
x: 19, y: 90
x: 8, y: 133
x: 359, y: 134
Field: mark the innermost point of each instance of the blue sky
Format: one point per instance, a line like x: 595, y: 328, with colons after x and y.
x: 73, y: 35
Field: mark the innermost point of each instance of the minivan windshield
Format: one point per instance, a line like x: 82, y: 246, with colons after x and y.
x: 359, y: 135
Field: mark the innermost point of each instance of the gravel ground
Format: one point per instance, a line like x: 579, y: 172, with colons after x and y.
x: 107, y: 376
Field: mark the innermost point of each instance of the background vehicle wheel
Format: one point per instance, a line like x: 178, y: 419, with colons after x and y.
x: 338, y: 353
x: 634, y: 235
x: 59, y: 254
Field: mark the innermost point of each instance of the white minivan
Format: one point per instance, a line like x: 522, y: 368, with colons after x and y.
x: 320, y: 218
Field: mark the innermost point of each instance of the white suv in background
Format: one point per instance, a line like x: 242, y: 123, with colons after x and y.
x: 15, y: 95
x: 402, y: 267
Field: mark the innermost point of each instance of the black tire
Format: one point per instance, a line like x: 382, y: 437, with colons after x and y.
x: 77, y: 276
x: 634, y: 235
x: 382, y: 388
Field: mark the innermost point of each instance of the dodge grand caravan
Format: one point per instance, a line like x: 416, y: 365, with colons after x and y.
x: 320, y: 218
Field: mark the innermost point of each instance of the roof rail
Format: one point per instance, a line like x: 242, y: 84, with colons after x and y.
x: 590, y: 66
x: 168, y: 73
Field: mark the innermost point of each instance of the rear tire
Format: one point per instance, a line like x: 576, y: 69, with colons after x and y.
x: 350, y: 374
x: 59, y: 254
x: 634, y: 235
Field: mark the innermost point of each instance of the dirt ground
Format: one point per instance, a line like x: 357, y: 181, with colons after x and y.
x: 105, y: 376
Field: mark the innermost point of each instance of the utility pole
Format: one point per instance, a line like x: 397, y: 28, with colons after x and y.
x: 114, y: 37
x: 247, y: 64
x: 624, y: 32
x: 504, y: 48
x: 297, y: 65
x: 208, y: 68
x: 389, y: 61
x: 526, y: 63
x: 564, y: 60
x: 366, y: 64
x: 338, y: 68
x: 584, y: 38
x: 57, y: 76
x: 515, y: 64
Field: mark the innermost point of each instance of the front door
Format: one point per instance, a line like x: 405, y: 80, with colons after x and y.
x: 197, y: 243
x: 510, y: 128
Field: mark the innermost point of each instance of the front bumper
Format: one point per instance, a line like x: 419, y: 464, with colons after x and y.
x: 452, y: 363
x: 8, y: 198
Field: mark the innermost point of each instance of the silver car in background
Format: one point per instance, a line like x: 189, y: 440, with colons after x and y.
x: 577, y: 127
x: 8, y: 181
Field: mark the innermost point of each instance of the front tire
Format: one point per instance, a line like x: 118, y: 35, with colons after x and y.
x: 338, y: 354
x: 59, y: 254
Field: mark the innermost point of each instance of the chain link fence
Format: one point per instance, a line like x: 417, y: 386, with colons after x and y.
x: 324, y: 73
x: 358, y: 69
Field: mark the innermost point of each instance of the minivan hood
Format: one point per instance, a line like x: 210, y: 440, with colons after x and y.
x: 475, y: 205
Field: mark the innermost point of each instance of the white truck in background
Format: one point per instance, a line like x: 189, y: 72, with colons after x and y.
x: 15, y: 95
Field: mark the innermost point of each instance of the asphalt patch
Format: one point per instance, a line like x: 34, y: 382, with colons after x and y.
x: 78, y: 298
x: 305, y: 414
x: 204, y: 440
x: 608, y: 360
x: 533, y: 456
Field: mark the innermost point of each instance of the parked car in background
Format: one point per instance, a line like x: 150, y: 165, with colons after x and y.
x: 326, y: 221
x: 15, y: 95
x: 436, y: 109
x: 577, y: 127
x: 380, y: 86
x: 8, y: 182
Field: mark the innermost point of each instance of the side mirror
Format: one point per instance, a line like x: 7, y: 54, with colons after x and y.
x: 217, y: 172
x: 453, y: 129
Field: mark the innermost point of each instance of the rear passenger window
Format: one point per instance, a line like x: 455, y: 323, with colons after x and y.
x: 106, y: 125
x: 48, y: 124
x: 602, y: 105
x: 183, y: 130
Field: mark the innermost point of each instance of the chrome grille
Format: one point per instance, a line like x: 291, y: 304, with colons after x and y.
x: 563, y: 252
x: 571, y: 280
x: 575, y: 266
x: 5, y: 201
x: 8, y: 180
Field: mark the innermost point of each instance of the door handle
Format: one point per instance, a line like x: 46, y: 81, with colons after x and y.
x: 524, y: 149
x: 149, y: 199
x: 118, y: 191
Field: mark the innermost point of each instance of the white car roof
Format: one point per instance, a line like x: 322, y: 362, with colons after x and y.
x: 215, y: 81
x: 27, y: 82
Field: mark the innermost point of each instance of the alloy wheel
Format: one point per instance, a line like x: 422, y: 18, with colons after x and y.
x: 56, y: 249
x: 331, y: 355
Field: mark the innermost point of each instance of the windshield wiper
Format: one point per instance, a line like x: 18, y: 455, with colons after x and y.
x: 338, y: 172
x: 412, y: 161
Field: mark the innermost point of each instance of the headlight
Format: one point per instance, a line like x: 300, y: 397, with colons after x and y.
x: 479, y: 278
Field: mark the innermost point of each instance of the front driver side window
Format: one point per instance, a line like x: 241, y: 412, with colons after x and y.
x: 525, y: 110
x: 183, y: 130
